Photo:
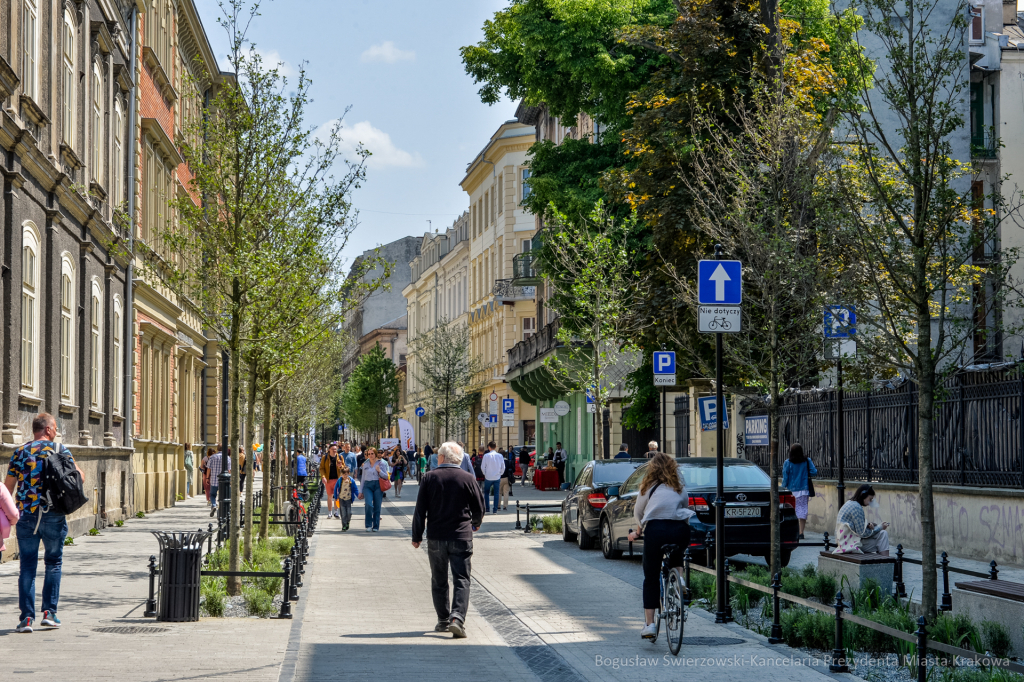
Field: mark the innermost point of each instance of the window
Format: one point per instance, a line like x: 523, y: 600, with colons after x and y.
x: 29, y: 309
x: 501, y: 193
x: 30, y: 49
x: 977, y: 32
x: 118, y: 160
x: 68, y: 81
x: 97, y: 124
x: 95, y: 315
x: 67, y: 328
x: 525, y: 183
x: 118, y: 358
x: 527, y: 245
x: 529, y: 327
x: 494, y: 205
x: 487, y: 208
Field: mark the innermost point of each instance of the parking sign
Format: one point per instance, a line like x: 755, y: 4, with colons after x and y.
x: 664, y: 368
x: 708, y: 407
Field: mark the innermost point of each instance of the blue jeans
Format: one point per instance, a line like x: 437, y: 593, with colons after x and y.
x: 213, y: 496
x: 496, y: 486
x: 374, y: 498
x: 52, y: 531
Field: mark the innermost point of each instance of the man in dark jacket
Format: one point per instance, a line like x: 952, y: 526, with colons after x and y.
x: 450, y: 507
x: 524, y: 462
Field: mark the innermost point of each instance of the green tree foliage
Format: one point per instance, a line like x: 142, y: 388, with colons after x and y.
x: 447, y: 373
x: 372, y: 386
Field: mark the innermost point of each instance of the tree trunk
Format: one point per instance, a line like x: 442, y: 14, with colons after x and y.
x: 775, y: 559
x: 598, y: 403
x: 234, y: 584
x: 282, y: 457
x: 250, y: 424
x: 267, y: 483
x: 926, y: 507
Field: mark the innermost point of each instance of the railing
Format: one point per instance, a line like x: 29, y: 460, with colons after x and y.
x: 978, y: 439
x: 537, y: 346
x: 505, y: 288
x: 524, y: 266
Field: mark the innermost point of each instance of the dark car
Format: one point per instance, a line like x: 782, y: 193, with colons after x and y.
x: 747, y: 492
x: 581, y: 508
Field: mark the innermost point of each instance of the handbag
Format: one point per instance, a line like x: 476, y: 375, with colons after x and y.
x: 810, y: 481
x: 385, y: 483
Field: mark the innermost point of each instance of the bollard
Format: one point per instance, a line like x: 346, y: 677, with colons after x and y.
x: 527, y: 518
x: 209, y: 540
x: 296, y: 580
x: 922, y: 650
x: 519, y: 526
x: 901, y: 588
x: 286, y: 593
x: 728, y: 602
x: 709, y: 545
x: 838, y: 664
x: 630, y: 544
x: 947, y: 598
x: 828, y: 544
x: 150, y: 611
x: 993, y: 572
x: 776, y: 636
x: 686, y: 572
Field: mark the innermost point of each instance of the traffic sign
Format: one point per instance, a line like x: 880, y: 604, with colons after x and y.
x: 482, y: 417
x: 492, y: 421
x: 420, y: 412
x: 719, y: 319
x: 719, y: 281
x: 665, y: 362
x: 494, y: 396
x: 562, y: 408
x: 508, y: 406
x: 755, y: 431
x: 591, y: 401
x: 840, y: 322
x: 837, y: 349
x: 708, y: 407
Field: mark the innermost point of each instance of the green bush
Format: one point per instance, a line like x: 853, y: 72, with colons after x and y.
x: 809, y: 583
x: 961, y: 674
x: 702, y: 587
x: 94, y: 531
x: 214, y: 593
x: 956, y: 630
x: 119, y: 523
x: 552, y: 523
x: 997, y: 638
x: 258, y: 602
x: 817, y: 630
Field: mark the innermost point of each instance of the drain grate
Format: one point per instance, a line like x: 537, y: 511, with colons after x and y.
x: 712, y: 641
x: 131, y: 630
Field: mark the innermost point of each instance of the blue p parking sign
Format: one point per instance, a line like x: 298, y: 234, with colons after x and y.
x: 708, y: 407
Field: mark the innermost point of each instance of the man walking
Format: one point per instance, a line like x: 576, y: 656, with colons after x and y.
x: 524, y: 462
x: 559, y: 461
x: 652, y: 449
x: 492, y: 466
x: 451, y: 509
x: 216, y: 464
x: 623, y: 452
x: 24, y: 474
x: 350, y: 457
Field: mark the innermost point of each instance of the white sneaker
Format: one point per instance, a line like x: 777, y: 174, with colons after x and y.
x: 650, y: 631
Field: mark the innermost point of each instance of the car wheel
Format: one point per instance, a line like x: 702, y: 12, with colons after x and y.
x: 784, y: 557
x: 567, y: 534
x: 584, y: 539
x: 606, y: 541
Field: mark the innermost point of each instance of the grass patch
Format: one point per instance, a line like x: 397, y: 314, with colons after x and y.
x: 552, y: 523
x: 997, y: 638
x: 214, y: 593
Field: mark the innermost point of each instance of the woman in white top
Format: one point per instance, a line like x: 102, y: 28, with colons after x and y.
x: 662, y: 514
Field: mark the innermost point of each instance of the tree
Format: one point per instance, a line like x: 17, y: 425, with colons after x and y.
x: 601, y: 286
x: 446, y: 370
x: 926, y: 266
x: 371, y: 388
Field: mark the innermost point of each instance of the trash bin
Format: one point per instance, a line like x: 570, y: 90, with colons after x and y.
x: 181, y: 559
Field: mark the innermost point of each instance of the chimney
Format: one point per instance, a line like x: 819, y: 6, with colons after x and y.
x: 1009, y: 12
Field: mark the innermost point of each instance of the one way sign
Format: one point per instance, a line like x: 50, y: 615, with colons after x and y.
x: 719, y: 281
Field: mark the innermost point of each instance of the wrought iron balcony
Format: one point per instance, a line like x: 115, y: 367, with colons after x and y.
x: 523, y: 268
x: 537, y: 346
x: 506, y: 290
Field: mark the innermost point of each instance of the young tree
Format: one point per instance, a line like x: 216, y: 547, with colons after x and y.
x: 926, y: 265
x: 371, y: 388
x: 446, y: 370
x: 592, y: 261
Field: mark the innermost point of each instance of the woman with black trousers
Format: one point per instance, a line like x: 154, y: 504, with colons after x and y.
x: 662, y: 513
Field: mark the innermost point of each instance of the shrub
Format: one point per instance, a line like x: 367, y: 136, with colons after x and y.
x: 817, y: 630
x: 258, y: 602
x: 214, y: 593
x: 997, y: 638
x: 281, y: 546
x: 702, y: 587
x: 140, y: 515
x: 119, y: 523
x: 94, y: 531
x: 552, y: 523
x: 69, y: 541
x: 956, y: 631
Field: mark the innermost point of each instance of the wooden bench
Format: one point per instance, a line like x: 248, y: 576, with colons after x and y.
x: 858, y: 569
x: 998, y: 600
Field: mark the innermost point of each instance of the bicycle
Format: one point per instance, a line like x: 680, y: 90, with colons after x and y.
x: 296, y: 510
x: 720, y: 322
x: 672, y: 609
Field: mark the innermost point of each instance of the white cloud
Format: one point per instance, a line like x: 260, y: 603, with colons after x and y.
x: 272, y: 58
x: 386, y: 52
x: 384, y: 153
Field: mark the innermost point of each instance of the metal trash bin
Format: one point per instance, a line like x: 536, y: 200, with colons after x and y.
x: 181, y: 560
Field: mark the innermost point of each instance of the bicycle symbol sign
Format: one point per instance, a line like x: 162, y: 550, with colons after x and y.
x: 719, y: 319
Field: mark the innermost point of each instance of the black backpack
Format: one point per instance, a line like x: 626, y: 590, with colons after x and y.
x: 61, y: 485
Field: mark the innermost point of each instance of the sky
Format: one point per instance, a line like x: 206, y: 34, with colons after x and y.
x: 396, y: 63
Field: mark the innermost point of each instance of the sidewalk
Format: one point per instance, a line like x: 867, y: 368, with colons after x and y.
x: 104, y: 585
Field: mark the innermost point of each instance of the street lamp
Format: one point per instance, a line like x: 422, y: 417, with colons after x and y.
x: 387, y: 408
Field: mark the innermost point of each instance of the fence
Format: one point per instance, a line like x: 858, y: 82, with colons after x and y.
x: 978, y: 440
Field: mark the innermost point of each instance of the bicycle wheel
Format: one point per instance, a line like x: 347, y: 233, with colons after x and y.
x: 293, y: 516
x: 672, y: 607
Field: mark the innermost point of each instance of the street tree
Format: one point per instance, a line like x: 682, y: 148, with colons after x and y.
x: 371, y: 388
x: 926, y: 264
x: 447, y: 373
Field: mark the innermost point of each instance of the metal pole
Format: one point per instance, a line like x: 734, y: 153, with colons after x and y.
x: 840, y: 431
x: 720, y: 611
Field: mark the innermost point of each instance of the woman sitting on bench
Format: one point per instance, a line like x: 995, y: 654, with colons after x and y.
x: 854, y: 534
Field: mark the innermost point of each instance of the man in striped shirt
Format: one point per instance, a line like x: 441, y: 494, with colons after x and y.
x: 215, y: 464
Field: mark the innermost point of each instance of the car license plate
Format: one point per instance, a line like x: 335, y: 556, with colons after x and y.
x: 733, y: 512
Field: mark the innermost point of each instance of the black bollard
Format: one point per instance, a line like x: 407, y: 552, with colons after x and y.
x: 901, y: 588
x: 209, y: 540
x: 728, y: 602
x: 686, y: 572
x: 286, y: 592
x: 776, y: 636
x: 828, y: 544
x: 296, y: 580
x: 519, y: 526
x: 993, y: 571
x: 150, y: 611
x: 527, y: 530
x: 947, y: 598
x: 922, y: 650
x: 709, y: 545
x: 838, y: 664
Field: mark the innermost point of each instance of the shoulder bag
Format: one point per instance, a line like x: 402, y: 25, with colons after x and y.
x: 810, y: 479
x: 385, y: 482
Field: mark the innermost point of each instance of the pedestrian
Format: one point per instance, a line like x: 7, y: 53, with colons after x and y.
x: 450, y: 507
x: 300, y: 468
x: 37, y: 523
x: 360, y: 458
x: 796, y: 476
x: 351, y: 461
x: 374, y: 469
x: 467, y: 462
x: 853, y: 534
x: 216, y: 464
x: 330, y: 471
x: 662, y: 515
x: 205, y: 469
x: 433, y: 459
x: 422, y: 469
x: 398, y: 465
x: 190, y: 465
x: 524, y: 463
x: 508, y: 478
x: 492, y: 466
x: 475, y: 461
x: 623, y: 452
x: 652, y: 449
x: 559, y: 460
x: 344, y: 492
x: 242, y: 466
x: 9, y: 515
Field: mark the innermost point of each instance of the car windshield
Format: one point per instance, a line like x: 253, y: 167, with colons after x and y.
x: 735, y: 476
x: 614, y: 472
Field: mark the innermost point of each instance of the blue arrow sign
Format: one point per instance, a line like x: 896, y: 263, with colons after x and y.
x: 420, y: 412
x: 508, y: 406
x: 840, y: 322
x: 719, y: 281
x: 590, y: 395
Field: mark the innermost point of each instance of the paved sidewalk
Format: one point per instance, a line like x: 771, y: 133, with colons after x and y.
x: 105, y: 583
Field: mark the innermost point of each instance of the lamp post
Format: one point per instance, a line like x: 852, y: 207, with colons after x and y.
x: 387, y: 408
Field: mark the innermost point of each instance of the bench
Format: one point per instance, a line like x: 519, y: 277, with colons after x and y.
x: 858, y: 569
x: 998, y: 600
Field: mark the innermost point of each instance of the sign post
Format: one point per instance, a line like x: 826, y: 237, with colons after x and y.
x: 719, y: 288
x: 508, y: 417
x: 840, y: 328
x: 664, y: 375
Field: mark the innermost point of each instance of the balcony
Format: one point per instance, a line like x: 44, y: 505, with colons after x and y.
x: 524, y: 268
x: 504, y: 290
x: 533, y: 348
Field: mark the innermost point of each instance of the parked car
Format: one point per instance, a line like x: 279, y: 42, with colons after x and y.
x: 747, y: 499
x: 581, y: 508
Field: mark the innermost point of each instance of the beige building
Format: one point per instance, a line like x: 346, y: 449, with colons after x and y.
x: 501, y: 313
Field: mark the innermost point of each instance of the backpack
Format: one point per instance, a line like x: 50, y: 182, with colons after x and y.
x: 60, y: 483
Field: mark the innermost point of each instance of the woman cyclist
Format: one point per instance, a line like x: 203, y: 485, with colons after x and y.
x: 662, y: 514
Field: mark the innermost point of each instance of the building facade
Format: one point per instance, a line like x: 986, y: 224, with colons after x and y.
x: 66, y: 88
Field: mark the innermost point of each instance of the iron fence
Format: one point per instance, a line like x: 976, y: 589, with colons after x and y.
x: 977, y: 441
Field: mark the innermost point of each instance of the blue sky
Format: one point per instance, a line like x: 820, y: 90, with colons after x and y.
x: 397, y: 64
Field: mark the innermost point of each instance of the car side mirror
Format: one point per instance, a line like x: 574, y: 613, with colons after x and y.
x: 613, y: 491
